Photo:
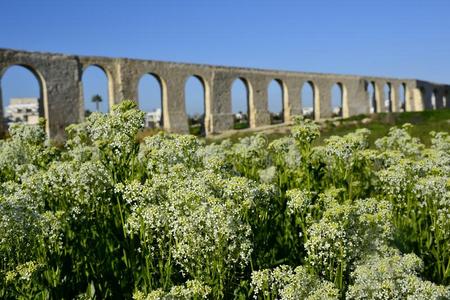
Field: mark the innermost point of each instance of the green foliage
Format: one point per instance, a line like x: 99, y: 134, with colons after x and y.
x: 241, y: 125
x: 114, y: 216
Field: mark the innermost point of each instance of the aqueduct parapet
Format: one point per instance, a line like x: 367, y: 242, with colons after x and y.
x: 61, y: 101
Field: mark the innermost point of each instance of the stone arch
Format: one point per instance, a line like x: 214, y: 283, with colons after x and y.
x: 241, y: 117
x: 388, y: 97
x: 276, y: 117
x: 43, y: 94
x: 309, y: 98
x: 109, y: 85
x: 338, y: 104
x: 371, y: 96
x: 200, y: 120
x: 402, y: 96
x: 445, y: 99
x: 156, y: 107
x: 434, y: 96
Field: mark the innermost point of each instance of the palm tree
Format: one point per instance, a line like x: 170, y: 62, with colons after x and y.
x: 97, y: 99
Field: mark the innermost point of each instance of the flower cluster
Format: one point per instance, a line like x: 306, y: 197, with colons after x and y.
x: 192, y: 289
x: 286, y: 283
x: 344, y: 233
x: 299, y: 200
x: 195, y: 218
x: 116, y: 131
x: 344, y: 148
x: 393, y: 276
x: 400, y: 140
x: 26, y: 151
x: 305, y: 131
x: 109, y: 216
x: 286, y: 152
x: 162, y: 151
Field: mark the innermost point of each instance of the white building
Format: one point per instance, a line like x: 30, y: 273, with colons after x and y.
x: 337, y: 111
x: 240, y: 116
x: 22, y: 110
x: 153, y: 119
x: 307, y: 111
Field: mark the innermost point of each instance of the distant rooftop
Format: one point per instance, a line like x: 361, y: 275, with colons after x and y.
x: 23, y: 101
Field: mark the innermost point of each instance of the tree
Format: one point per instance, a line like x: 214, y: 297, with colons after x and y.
x: 97, y: 99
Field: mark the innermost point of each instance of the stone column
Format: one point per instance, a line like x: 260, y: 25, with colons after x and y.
x: 259, y: 113
x: 322, y: 104
x: 426, y: 97
x: 439, y: 98
x: 409, y: 96
x: 114, y: 84
x: 59, y: 81
x: 379, y: 96
x: 419, y: 98
x: 176, y: 119
x: 292, y: 103
x: 355, y: 98
x: 395, y: 97
x: 125, y: 82
x: 218, y: 104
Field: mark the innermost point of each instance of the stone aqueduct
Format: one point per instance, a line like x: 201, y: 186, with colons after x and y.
x: 62, y: 101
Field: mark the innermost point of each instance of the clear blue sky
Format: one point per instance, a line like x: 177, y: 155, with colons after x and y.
x: 396, y: 38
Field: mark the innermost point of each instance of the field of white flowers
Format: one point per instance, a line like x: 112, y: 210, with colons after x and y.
x: 171, y: 218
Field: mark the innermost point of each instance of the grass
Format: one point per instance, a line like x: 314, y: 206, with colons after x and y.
x: 378, y: 124
x: 241, y: 125
x: 143, y: 133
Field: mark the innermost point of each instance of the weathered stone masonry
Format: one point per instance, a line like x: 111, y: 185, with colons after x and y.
x: 61, y: 104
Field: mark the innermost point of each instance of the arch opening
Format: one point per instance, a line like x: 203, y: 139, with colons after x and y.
x: 95, y: 81
x: 276, y: 95
x: 433, y: 100
x: 240, y: 103
x: 402, y: 96
x: 337, y: 99
x: 308, y: 100
x: 388, y: 96
x: 195, y: 98
x: 371, y: 97
x: 22, y: 93
x: 150, y: 99
x: 445, y: 100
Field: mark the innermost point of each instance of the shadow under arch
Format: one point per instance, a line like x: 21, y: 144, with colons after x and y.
x: 205, y: 127
x: 43, y: 94
x: 163, y: 95
x: 108, y: 78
